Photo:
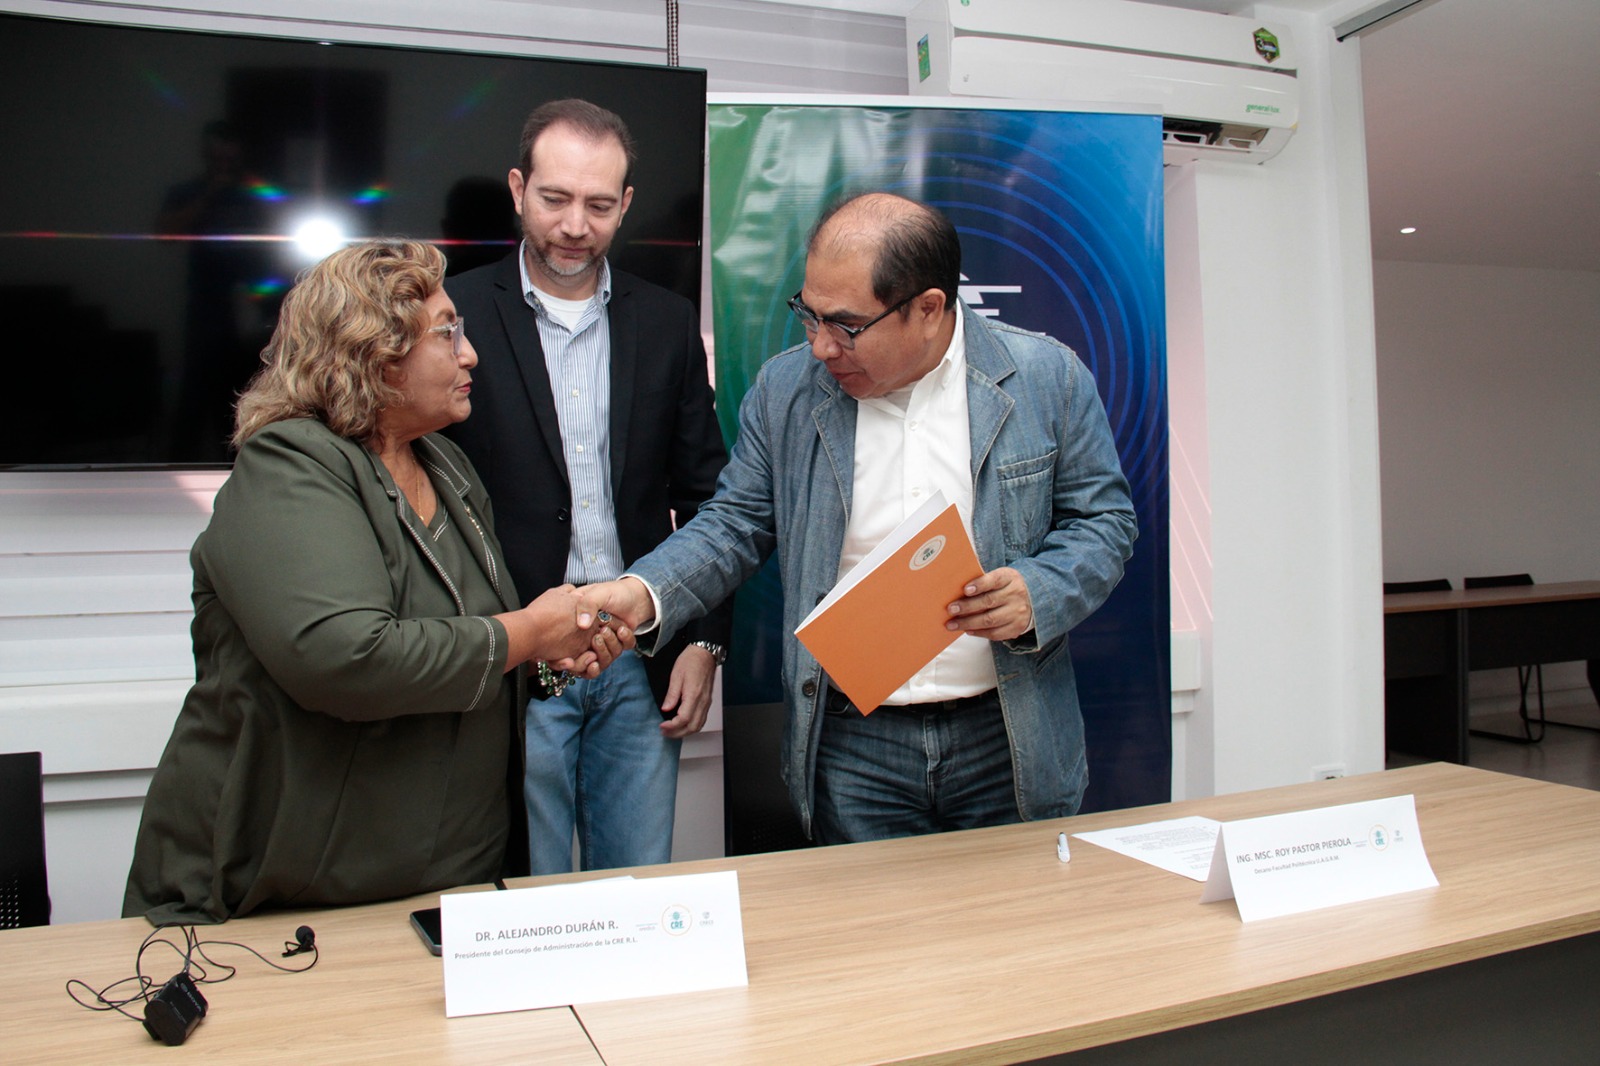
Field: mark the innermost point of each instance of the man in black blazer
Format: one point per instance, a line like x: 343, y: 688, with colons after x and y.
x: 592, y: 427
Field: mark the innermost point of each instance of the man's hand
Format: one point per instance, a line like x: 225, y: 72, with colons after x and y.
x: 607, y: 643
x: 558, y: 639
x: 688, y: 693
x: 624, y: 600
x: 995, y: 606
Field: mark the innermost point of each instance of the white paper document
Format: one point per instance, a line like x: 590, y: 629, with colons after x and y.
x: 1306, y: 860
x: 1177, y: 845
x: 622, y: 938
x: 890, y: 544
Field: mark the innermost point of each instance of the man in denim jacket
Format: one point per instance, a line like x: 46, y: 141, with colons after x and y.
x: 901, y: 391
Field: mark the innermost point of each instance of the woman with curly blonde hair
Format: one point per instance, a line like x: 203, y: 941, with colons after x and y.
x: 354, y: 730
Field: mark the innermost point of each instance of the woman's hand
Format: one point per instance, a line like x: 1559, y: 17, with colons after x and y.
x: 547, y: 630
x: 606, y: 643
x: 563, y: 645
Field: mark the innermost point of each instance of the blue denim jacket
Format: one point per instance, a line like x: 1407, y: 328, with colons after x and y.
x: 1049, y: 499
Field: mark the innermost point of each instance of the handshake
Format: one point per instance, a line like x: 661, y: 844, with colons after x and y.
x: 583, y: 630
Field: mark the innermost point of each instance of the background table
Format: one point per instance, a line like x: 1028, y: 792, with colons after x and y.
x: 1431, y: 640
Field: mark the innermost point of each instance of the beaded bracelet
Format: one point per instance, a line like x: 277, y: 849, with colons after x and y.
x: 554, y: 684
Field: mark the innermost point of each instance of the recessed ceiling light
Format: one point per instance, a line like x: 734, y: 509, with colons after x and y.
x: 1408, y: 229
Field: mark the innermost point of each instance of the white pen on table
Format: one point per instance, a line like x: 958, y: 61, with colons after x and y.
x: 1062, y: 852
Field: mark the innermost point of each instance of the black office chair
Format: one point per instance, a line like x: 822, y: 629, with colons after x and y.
x: 24, y: 888
x: 1525, y: 674
x: 1437, y: 584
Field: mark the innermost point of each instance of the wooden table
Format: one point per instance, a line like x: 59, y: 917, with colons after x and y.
x: 1431, y: 640
x: 375, y: 995
x: 973, y: 947
x: 981, y: 947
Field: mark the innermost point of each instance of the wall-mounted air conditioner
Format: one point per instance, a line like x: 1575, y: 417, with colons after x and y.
x: 1225, y: 85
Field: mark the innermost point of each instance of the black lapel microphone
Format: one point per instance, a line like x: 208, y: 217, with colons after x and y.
x: 305, y: 940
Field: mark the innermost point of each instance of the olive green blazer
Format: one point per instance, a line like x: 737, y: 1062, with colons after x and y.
x: 337, y: 677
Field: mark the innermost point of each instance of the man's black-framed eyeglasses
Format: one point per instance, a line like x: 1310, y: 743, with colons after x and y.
x: 843, y: 335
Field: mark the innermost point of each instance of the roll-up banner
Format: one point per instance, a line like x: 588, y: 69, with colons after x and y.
x: 1060, y: 218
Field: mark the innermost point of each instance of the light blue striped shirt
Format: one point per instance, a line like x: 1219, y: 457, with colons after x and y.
x: 579, y: 363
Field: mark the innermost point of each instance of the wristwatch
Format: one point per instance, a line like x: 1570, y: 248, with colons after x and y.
x: 719, y: 654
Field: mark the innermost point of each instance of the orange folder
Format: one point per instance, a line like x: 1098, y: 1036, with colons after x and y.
x: 885, y: 619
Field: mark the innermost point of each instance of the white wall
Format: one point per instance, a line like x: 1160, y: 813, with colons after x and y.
x: 1294, y: 659
x: 1275, y: 323
x: 94, y: 655
x: 1189, y: 489
x: 1489, y: 394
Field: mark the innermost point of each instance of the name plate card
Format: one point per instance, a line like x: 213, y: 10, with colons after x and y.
x: 1307, y: 860
x: 621, y: 938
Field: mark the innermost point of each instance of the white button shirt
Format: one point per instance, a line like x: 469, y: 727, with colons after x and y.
x: 910, y: 444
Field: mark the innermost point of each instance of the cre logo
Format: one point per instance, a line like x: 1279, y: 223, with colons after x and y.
x: 927, y: 553
x: 974, y: 296
x: 677, y: 920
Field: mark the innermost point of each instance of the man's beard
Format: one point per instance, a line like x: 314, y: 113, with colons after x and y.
x: 565, y: 269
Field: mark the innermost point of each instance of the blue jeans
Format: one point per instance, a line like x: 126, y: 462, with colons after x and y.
x: 597, y: 762
x: 904, y: 771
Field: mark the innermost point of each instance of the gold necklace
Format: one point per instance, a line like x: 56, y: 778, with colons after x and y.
x: 420, y: 486
x: 416, y: 484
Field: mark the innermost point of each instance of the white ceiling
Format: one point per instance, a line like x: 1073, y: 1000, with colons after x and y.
x: 1483, y: 131
x: 1483, y: 126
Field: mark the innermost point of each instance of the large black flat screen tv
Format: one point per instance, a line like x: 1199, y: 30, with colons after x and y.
x: 152, y: 180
